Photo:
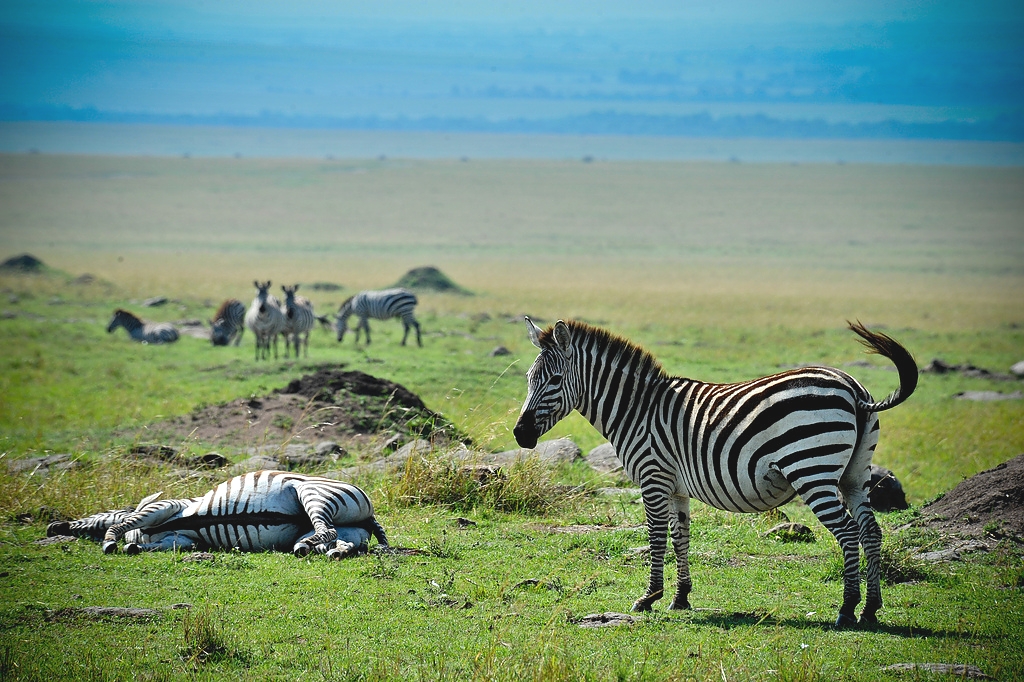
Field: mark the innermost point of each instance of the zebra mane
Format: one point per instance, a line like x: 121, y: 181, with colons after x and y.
x: 606, y: 343
x: 347, y: 303
x: 223, y: 309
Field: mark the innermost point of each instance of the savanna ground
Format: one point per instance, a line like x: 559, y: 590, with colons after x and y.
x: 725, y: 271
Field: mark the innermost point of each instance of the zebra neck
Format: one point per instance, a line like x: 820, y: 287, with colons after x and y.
x: 617, y: 392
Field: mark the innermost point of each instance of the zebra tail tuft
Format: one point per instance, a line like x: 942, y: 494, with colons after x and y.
x: 377, y: 531
x: 884, y: 345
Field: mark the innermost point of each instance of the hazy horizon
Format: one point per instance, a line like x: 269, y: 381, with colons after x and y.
x: 788, y: 69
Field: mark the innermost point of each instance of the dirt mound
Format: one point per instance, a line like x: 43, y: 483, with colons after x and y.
x: 429, y: 278
x: 990, y: 503
x: 348, y: 407
x: 26, y: 262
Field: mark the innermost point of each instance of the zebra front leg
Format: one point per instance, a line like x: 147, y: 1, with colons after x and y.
x: 656, y: 507
x: 146, y: 517
x: 681, y: 545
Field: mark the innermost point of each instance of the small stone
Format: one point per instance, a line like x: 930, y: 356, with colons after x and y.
x: 607, y: 620
x: 1018, y: 370
x: 499, y: 351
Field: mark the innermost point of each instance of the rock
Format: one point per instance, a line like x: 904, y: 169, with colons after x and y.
x: 604, y: 460
x: 196, y: 557
x: 155, y: 302
x: 56, y: 540
x: 392, y: 462
x: 607, y: 620
x: 1018, y: 370
x: 429, y: 278
x: 988, y: 396
x: 42, y: 466
x: 211, y: 460
x: 499, y: 351
x: 618, y: 491
x: 955, y: 669
x: 937, y: 366
x: 255, y: 463
x: 163, y: 453
x: 791, y: 532
x: 886, y: 492
x: 329, y: 449
x: 551, y: 452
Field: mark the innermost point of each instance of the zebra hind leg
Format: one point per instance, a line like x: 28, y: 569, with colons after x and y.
x: 825, y: 503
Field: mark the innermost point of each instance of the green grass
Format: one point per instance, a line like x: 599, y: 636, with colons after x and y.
x: 725, y: 272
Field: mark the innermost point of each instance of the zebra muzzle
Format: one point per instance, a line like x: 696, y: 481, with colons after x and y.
x: 525, y: 431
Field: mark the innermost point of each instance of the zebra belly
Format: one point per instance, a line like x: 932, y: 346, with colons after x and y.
x: 248, y: 533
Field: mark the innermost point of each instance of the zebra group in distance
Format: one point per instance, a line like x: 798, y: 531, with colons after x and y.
x: 744, y: 447
x: 144, y: 332
x: 255, y: 512
x: 228, y: 323
x: 265, y: 319
x: 299, y: 319
x: 379, y: 305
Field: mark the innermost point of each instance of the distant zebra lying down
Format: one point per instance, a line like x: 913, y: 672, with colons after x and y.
x: 146, y: 332
x: 256, y: 512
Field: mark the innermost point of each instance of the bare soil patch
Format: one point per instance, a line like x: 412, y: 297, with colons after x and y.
x: 349, y: 407
x: 990, y: 504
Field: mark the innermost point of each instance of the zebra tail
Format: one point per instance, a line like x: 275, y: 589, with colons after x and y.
x: 886, y: 346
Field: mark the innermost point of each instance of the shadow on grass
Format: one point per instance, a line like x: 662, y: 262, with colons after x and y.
x: 737, y: 619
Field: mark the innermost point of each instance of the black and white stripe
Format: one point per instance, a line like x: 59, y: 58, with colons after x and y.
x: 299, y: 319
x: 151, y: 332
x: 744, y: 447
x: 259, y: 511
x: 380, y: 305
x: 265, y: 319
x: 228, y: 323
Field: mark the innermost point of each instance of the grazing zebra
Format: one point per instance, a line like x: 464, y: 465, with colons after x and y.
x: 255, y: 512
x: 380, y: 305
x: 152, y: 332
x: 265, y: 319
x: 228, y: 323
x: 743, y: 447
x: 299, y: 318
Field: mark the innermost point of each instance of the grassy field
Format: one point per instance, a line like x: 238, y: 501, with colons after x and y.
x: 725, y: 271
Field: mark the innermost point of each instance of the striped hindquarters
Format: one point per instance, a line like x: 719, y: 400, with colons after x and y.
x: 737, y: 445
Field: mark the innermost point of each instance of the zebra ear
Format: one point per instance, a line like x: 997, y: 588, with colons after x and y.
x: 533, y: 330
x: 563, y: 337
x: 146, y: 500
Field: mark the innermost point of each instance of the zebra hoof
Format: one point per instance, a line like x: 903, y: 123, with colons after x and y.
x: 109, y: 547
x: 679, y: 605
x: 868, y: 620
x: 132, y: 549
x: 844, y: 621
x: 58, y: 528
x: 301, y: 549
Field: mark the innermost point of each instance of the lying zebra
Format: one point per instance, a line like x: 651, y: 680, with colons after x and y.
x: 146, y: 332
x: 255, y: 512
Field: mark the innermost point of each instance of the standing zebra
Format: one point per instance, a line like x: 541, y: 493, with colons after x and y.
x: 265, y: 319
x: 255, y: 512
x: 146, y: 332
x: 380, y: 305
x: 743, y: 447
x: 228, y: 323
x: 299, y: 318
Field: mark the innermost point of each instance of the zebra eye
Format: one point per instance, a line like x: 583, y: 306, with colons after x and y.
x: 555, y: 380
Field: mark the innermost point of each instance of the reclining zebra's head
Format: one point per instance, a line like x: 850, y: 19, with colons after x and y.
x: 551, y: 390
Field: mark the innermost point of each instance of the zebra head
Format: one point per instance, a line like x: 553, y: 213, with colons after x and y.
x: 551, y: 392
x: 341, y: 319
x: 289, y: 300
x: 261, y: 294
x: 219, y: 332
x: 123, y: 318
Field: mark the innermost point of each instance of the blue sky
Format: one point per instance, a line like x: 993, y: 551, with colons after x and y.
x: 771, y: 67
